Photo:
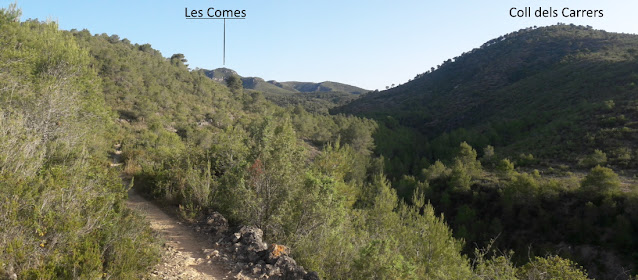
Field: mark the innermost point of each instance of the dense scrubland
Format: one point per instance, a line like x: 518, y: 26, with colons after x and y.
x: 551, y: 113
x: 355, y: 198
x: 61, y: 210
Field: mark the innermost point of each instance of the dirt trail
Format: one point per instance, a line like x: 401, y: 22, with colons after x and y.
x: 187, y: 254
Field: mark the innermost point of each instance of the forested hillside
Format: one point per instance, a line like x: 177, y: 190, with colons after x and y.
x: 308, y: 180
x: 551, y: 113
x: 557, y: 92
x: 61, y: 209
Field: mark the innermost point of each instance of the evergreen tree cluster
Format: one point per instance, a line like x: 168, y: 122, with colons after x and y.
x: 313, y: 181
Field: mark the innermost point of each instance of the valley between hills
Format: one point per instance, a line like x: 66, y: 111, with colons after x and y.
x: 514, y: 160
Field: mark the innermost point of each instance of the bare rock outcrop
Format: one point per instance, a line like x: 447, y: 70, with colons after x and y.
x: 253, y: 258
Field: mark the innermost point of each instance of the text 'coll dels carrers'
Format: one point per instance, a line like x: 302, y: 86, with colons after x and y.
x: 566, y: 12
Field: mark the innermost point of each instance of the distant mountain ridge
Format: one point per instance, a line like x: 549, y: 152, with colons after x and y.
x: 272, y: 86
x: 313, y: 97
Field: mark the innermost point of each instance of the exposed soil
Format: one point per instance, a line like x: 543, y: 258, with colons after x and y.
x: 191, y: 253
x: 187, y: 254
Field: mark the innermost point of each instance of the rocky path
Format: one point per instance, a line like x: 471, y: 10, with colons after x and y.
x: 190, y: 252
x: 187, y: 254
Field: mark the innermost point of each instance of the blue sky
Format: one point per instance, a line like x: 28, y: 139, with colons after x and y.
x: 369, y: 44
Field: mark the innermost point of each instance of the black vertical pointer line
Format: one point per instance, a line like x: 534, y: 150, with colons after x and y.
x: 224, y: 41
x: 224, y: 60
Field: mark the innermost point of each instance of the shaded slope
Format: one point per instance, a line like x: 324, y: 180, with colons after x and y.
x: 547, y: 99
x: 519, y: 89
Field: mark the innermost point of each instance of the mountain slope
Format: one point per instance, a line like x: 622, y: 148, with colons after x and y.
x: 525, y: 90
x: 547, y: 110
x: 314, y: 97
x: 61, y: 214
x: 272, y: 86
x: 318, y: 87
x: 309, y: 180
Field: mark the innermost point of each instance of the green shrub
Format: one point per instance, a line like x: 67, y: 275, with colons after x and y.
x: 465, y: 168
x: 600, y: 181
x: 381, y: 260
x: 597, y: 158
x: 505, y: 168
x: 61, y: 210
x: 526, y: 160
x: 436, y: 170
x: 551, y: 267
x: 498, y: 266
